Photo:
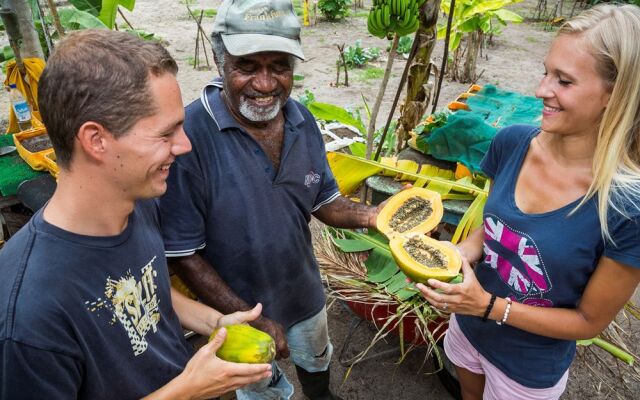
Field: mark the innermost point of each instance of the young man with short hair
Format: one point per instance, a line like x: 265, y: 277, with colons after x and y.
x: 86, y: 307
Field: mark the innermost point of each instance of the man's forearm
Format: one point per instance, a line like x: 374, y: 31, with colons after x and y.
x: 344, y: 213
x: 205, y: 282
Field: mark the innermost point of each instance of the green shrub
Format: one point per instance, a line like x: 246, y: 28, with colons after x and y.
x: 358, y: 56
x: 334, y: 9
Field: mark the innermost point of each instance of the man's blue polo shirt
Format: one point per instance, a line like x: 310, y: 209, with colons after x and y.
x: 249, y: 221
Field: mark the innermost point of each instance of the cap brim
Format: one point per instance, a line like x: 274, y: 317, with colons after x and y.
x: 251, y: 43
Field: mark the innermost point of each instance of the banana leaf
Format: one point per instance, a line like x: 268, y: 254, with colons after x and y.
x: 381, y: 267
x: 351, y: 171
x: 109, y: 10
x: 350, y: 246
x: 472, y: 218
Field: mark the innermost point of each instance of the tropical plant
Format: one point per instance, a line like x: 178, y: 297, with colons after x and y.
x: 404, y: 45
x: 307, y: 98
x: 418, y: 95
x: 473, y: 21
x: 330, y: 112
x: 334, y: 10
x: 77, y: 15
x: 357, y: 56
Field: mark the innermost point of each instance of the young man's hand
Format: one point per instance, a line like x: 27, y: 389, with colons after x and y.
x: 206, y: 376
x: 210, y: 376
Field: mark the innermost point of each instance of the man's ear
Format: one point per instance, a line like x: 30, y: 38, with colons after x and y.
x: 93, y: 140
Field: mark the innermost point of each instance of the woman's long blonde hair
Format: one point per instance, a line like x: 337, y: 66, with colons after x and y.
x: 612, y: 33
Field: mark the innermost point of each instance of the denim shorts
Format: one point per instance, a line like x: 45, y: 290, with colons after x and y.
x: 497, y: 386
x: 309, y: 348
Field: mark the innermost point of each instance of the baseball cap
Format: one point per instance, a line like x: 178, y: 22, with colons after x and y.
x: 254, y: 26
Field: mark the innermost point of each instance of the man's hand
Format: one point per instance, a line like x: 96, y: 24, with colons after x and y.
x: 207, y: 376
x: 277, y: 332
x: 240, y: 317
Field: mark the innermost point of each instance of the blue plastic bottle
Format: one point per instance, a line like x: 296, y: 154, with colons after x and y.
x: 20, y: 108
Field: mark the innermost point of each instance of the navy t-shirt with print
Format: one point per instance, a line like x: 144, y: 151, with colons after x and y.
x: 87, y: 317
x: 543, y: 260
x: 248, y: 220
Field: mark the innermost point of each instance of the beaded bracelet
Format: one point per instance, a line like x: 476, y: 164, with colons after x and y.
x: 489, y: 308
x: 506, y: 312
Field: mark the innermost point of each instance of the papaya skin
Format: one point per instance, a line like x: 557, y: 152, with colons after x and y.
x: 246, y: 344
x: 420, y: 273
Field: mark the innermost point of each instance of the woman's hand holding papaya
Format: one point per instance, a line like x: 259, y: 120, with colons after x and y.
x: 467, y: 298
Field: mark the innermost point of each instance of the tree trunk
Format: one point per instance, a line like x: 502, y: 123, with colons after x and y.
x: 418, y: 94
x: 30, y: 46
x: 453, y: 65
x: 474, y: 41
x: 383, y: 87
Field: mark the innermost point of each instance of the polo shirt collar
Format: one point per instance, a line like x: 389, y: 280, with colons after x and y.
x: 217, y: 108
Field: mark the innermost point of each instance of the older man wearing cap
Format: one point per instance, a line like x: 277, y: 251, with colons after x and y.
x: 236, y: 213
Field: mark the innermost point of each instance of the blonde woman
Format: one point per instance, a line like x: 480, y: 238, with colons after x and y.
x: 559, y: 252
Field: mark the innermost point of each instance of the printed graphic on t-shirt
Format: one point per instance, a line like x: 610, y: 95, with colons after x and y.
x: 132, y: 303
x: 515, y: 258
x: 311, y: 178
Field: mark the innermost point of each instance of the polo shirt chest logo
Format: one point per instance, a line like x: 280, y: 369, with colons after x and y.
x: 311, y: 179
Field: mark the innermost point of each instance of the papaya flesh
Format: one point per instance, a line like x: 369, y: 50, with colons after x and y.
x: 422, y: 258
x: 410, y: 210
x: 246, y: 344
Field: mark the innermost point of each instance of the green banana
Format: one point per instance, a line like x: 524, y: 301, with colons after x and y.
x: 372, y: 24
x: 406, y: 19
x: 380, y: 19
x: 386, y: 14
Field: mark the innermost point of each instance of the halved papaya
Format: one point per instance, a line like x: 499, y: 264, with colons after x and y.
x: 405, y: 219
x: 410, y: 210
x: 421, y: 258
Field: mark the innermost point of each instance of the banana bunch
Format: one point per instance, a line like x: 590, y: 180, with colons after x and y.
x: 387, y: 17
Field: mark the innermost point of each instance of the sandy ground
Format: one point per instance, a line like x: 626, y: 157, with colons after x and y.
x: 514, y: 62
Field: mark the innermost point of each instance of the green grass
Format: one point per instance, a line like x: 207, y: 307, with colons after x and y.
x: 532, y: 39
x: 207, y: 12
x: 360, y: 14
x: 369, y: 74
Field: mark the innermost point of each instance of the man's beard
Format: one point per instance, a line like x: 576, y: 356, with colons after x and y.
x: 260, y: 114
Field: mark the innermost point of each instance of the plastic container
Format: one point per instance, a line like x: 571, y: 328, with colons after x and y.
x: 20, y: 108
x: 50, y: 163
x: 32, y: 147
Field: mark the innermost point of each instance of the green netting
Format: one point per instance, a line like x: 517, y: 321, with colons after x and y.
x: 466, y: 135
x: 13, y: 169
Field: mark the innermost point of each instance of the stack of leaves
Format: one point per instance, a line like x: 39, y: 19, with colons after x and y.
x: 376, y: 280
x: 358, y: 269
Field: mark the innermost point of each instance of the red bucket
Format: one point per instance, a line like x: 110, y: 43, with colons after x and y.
x: 379, y: 314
